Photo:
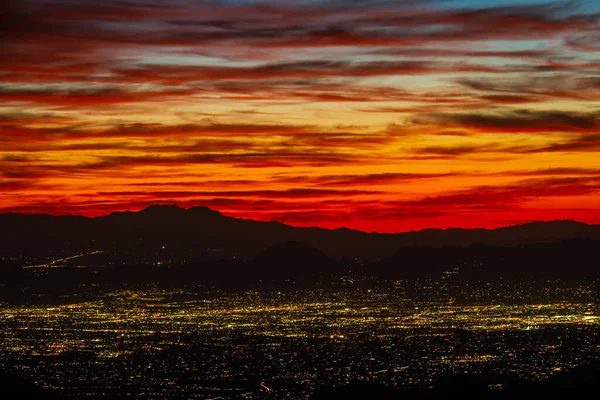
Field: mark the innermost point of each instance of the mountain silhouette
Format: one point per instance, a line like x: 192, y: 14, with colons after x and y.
x: 195, y: 233
x: 293, y: 260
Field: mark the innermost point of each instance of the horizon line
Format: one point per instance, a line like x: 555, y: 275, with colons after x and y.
x: 2, y: 212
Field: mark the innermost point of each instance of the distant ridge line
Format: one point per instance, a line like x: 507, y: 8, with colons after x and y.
x: 208, y: 209
x: 200, y: 228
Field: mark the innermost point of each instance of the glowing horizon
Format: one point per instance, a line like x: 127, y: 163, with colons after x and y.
x: 383, y: 116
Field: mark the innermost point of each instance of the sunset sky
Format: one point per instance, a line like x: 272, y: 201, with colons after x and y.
x: 374, y: 115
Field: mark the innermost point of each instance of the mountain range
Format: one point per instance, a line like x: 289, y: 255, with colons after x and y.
x: 202, y: 234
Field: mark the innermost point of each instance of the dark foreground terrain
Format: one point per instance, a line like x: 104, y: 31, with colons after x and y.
x: 580, y: 383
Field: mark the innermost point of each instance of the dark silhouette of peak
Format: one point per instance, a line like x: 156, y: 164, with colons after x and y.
x: 549, y: 228
x: 292, y: 259
x: 150, y: 214
x: 165, y: 214
x: 160, y: 210
x: 204, y: 211
x: 533, y: 232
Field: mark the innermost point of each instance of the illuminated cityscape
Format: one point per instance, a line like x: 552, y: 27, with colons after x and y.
x: 200, y: 343
x: 160, y: 317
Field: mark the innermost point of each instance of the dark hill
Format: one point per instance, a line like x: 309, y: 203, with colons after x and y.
x: 293, y: 260
x: 575, y: 258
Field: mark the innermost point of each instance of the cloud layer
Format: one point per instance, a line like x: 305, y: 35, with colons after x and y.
x: 386, y: 115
